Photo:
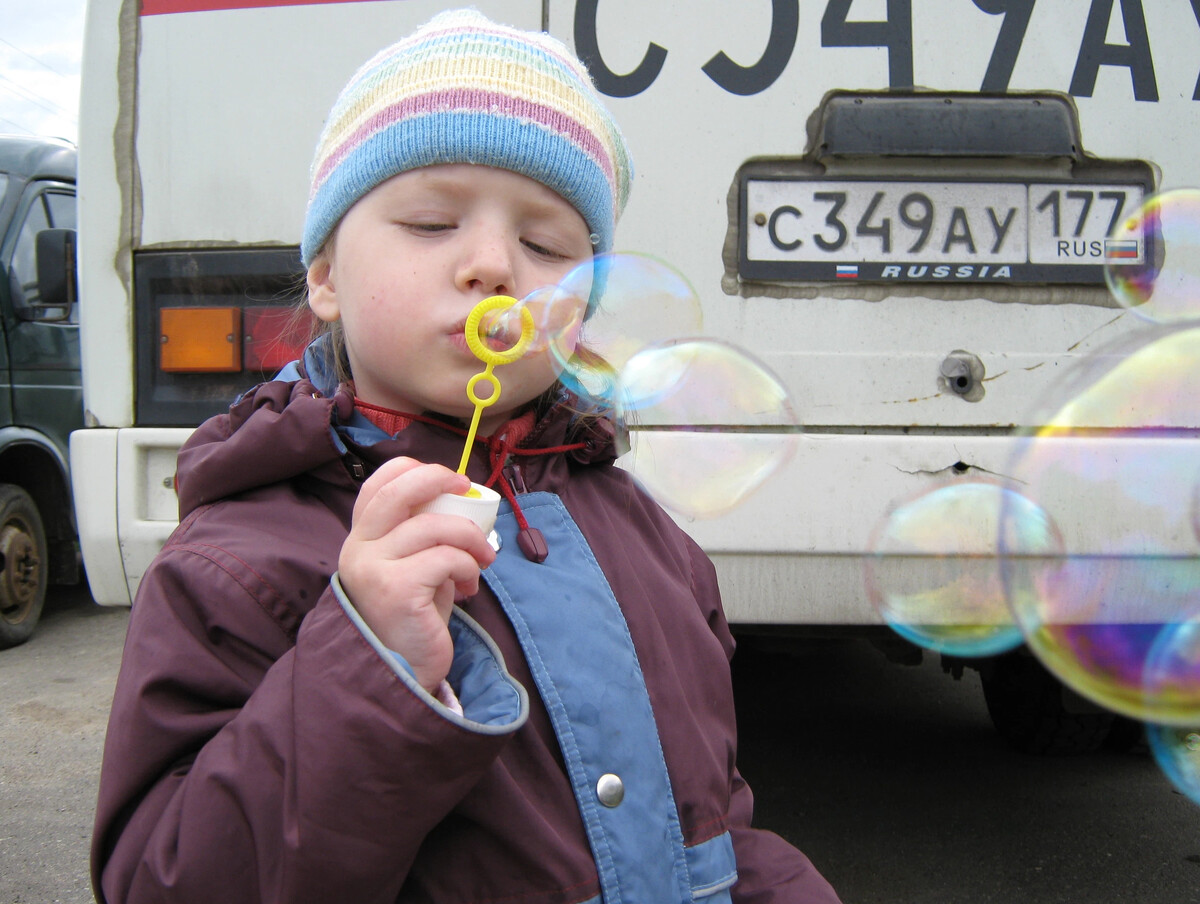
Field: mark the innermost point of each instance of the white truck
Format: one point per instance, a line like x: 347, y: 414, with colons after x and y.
x: 860, y: 191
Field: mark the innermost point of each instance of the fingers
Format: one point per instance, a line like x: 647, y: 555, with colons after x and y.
x: 429, y: 559
x: 432, y: 549
x: 391, y: 494
x: 443, y: 549
x: 402, y: 587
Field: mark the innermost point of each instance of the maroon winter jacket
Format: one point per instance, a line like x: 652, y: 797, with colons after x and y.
x: 260, y: 749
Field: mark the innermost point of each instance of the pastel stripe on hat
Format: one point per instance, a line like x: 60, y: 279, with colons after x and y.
x: 456, y: 66
x: 465, y: 102
x: 465, y: 90
x: 418, y: 141
x: 462, y: 54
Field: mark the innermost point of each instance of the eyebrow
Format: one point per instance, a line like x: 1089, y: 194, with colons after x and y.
x: 440, y: 182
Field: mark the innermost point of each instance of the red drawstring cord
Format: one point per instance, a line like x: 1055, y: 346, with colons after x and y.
x: 529, y: 539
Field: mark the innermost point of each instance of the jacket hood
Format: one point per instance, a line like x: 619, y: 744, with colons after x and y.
x: 304, y: 423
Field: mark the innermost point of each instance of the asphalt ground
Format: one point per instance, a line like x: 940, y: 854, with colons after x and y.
x: 55, y: 693
x: 893, y: 780
x: 889, y: 777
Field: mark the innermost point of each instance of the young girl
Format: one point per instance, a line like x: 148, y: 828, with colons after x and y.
x: 320, y: 700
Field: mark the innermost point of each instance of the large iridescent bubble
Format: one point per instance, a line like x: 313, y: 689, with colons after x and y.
x: 708, y: 423
x: 933, y: 574
x: 633, y: 301
x: 1115, y: 466
x: 1152, y: 259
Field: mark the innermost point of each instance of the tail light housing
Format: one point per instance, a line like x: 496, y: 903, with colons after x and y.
x: 211, y: 324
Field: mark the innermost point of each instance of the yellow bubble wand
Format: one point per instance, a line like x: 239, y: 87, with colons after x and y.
x: 491, y: 358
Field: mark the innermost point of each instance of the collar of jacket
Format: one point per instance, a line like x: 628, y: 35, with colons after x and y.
x: 528, y: 452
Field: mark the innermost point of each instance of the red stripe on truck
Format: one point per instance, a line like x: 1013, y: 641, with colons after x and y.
x: 160, y: 7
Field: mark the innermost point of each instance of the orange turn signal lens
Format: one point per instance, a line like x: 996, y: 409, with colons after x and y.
x: 200, y: 340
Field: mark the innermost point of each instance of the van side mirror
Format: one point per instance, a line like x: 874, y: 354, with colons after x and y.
x: 57, y: 288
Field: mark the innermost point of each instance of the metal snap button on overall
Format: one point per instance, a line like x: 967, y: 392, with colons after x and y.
x: 610, y: 790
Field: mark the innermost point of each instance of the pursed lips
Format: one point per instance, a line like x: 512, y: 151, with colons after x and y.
x: 457, y: 336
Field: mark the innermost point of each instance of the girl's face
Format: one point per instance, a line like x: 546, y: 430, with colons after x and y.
x: 411, y: 259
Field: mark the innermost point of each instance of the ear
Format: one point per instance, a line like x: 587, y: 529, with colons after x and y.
x: 322, y: 296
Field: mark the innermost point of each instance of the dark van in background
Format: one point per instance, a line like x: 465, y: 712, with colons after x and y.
x: 41, y: 401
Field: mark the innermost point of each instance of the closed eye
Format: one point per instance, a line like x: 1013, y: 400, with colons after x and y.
x: 427, y: 228
x: 543, y: 251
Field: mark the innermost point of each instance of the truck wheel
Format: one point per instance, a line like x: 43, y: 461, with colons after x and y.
x: 1034, y: 712
x: 22, y: 566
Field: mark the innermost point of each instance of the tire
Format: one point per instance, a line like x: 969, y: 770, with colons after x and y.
x: 23, y: 571
x: 1028, y: 707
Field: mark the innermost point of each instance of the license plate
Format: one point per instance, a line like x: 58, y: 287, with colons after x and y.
x: 931, y: 231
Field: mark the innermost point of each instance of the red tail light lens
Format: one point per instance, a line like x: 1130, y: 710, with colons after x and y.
x: 273, y: 336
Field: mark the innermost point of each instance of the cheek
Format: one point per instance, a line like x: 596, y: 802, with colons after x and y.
x: 371, y: 339
x: 382, y: 313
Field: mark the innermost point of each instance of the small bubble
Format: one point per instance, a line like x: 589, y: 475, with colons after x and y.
x: 1152, y: 261
x: 633, y: 301
x: 708, y: 424
x: 934, y: 574
x: 1177, y: 752
x: 555, y: 318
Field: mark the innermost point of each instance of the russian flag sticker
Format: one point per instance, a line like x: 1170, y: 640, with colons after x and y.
x: 1118, y: 250
x: 847, y: 271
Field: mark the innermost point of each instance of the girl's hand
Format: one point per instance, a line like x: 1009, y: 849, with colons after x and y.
x: 403, y: 572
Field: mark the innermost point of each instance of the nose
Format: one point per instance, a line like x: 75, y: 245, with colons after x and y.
x: 488, y: 265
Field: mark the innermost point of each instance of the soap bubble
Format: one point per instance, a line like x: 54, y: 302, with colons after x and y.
x: 934, y: 574
x: 1152, y: 259
x: 709, y: 424
x: 1114, y: 467
x: 1196, y: 507
x: 556, y: 317
x: 635, y: 301
x: 1177, y: 751
x: 1172, y: 673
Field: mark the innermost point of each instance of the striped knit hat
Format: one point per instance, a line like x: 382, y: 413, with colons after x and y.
x: 462, y: 89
